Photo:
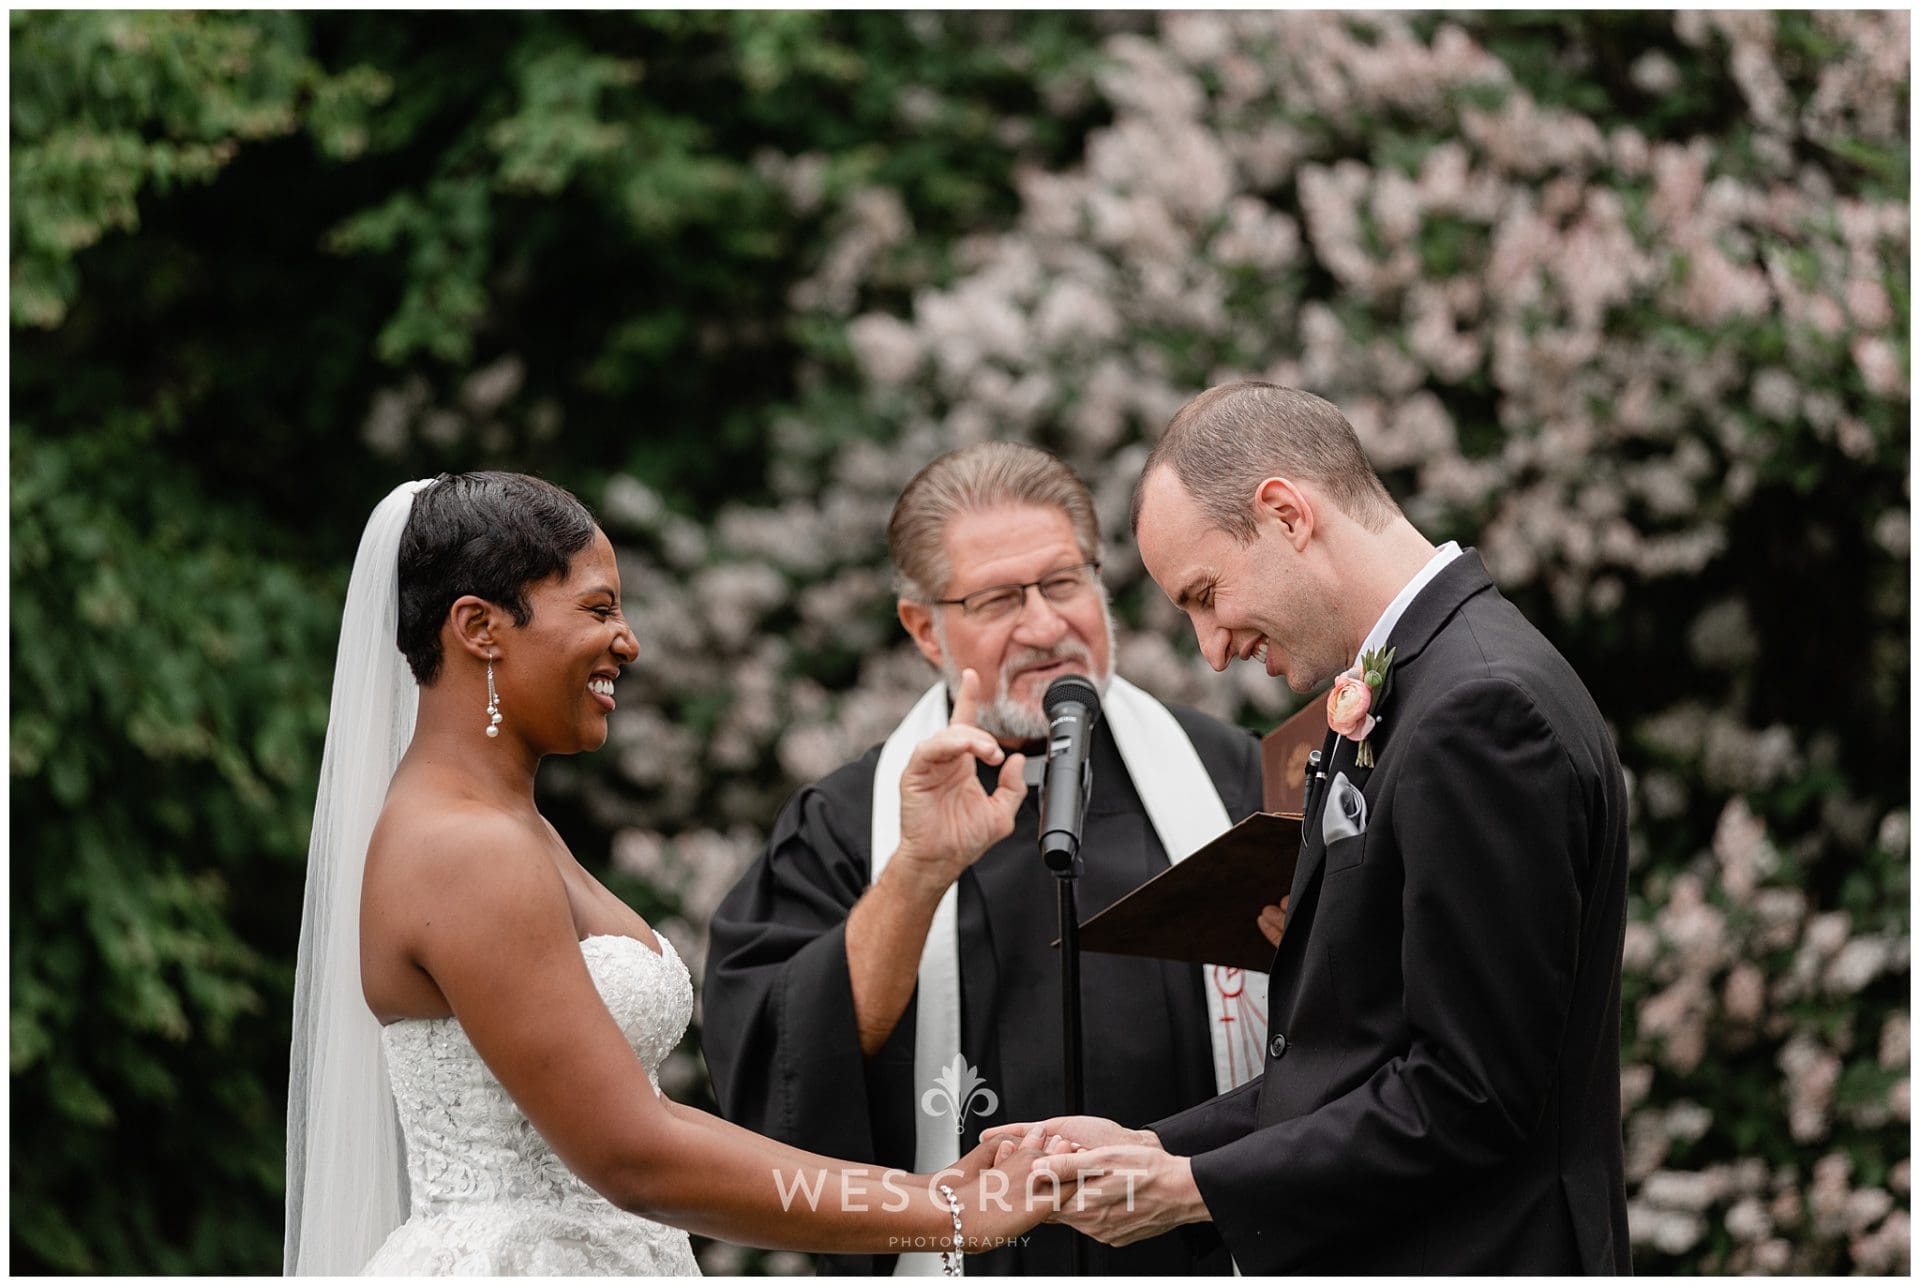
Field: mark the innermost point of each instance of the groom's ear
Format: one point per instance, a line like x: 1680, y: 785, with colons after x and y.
x: 1286, y: 505
x: 473, y: 624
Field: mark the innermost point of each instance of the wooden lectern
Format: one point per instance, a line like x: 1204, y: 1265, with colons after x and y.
x: 1205, y: 908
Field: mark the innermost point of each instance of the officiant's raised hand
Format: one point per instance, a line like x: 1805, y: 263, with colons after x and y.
x: 947, y: 820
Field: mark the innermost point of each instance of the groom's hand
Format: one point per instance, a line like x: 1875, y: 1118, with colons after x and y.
x: 1125, y: 1193
x: 994, y: 1153
x: 1078, y: 1131
x: 1005, y: 1202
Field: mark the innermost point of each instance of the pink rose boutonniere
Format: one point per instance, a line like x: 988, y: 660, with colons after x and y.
x: 1350, y: 704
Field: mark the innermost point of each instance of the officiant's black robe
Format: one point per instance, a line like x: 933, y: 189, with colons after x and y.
x: 778, y: 1027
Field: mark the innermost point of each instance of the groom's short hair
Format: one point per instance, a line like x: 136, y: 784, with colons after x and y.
x: 1224, y: 443
x: 486, y: 534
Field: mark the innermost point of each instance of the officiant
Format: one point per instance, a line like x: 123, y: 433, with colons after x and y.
x: 881, y: 983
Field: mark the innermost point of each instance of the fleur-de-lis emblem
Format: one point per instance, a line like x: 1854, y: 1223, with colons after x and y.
x: 965, y: 1092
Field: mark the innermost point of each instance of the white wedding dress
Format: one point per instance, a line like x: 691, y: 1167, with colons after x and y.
x: 487, y: 1195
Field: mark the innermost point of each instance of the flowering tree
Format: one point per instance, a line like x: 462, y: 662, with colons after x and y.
x: 1620, y: 301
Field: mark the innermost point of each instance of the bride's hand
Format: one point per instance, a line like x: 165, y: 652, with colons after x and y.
x: 1004, y: 1200
x: 969, y: 1166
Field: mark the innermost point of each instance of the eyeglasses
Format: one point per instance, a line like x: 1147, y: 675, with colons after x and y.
x: 997, y: 602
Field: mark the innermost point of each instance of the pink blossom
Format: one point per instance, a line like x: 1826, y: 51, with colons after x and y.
x: 1680, y: 1190
x: 1677, y: 1018
x: 1867, y: 302
x: 888, y: 350
x: 1857, y: 964
x: 1748, y: 1221
x: 1879, y: 366
x: 1746, y: 993
x: 1812, y: 1074
x: 1827, y: 1195
x: 1887, y: 1249
x: 1348, y: 704
x: 1773, y: 1256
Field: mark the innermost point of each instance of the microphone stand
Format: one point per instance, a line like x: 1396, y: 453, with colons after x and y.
x: 1072, y: 705
x: 1066, y: 871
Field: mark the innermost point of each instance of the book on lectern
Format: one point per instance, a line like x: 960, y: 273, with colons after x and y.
x: 1206, y: 908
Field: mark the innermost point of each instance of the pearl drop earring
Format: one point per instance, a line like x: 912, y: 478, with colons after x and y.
x: 493, y: 703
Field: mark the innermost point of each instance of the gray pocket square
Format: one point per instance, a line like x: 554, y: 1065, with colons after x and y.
x: 1345, y: 813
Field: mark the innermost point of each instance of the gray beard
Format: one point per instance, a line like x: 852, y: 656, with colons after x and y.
x: 1000, y: 716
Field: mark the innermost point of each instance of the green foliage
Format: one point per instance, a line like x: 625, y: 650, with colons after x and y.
x: 108, y: 106
x: 161, y: 766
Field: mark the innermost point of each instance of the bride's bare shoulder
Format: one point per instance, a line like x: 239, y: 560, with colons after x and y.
x: 441, y: 844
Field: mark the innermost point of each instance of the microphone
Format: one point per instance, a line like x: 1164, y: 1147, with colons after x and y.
x: 1072, y: 704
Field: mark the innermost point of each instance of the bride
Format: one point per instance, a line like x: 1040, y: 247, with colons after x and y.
x: 478, y: 1023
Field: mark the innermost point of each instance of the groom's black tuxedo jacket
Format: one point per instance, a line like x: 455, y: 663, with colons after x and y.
x: 1442, y: 1085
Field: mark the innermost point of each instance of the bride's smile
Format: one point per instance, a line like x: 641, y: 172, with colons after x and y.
x: 556, y: 672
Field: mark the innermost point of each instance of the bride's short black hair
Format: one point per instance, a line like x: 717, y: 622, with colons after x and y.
x: 486, y: 534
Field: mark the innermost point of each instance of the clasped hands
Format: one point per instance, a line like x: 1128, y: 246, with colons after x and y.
x: 1116, y: 1185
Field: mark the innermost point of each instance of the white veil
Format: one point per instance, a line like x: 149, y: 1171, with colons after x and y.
x: 346, y: 1167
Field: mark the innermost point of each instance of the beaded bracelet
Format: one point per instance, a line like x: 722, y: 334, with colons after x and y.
x: 950, y: 1259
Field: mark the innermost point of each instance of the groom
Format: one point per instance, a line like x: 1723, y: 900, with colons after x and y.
x: 1441, y: 1091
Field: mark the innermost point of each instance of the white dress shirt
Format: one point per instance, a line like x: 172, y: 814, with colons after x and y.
x: 1377, y: 636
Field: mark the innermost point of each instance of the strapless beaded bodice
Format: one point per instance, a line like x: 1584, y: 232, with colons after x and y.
x: 487, y: 1194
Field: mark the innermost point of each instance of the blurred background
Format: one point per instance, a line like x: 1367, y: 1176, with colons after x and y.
x: 1622, y: 299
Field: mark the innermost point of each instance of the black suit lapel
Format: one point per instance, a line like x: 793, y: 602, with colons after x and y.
x: 1418, y: 626
x: 1430, y: 609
